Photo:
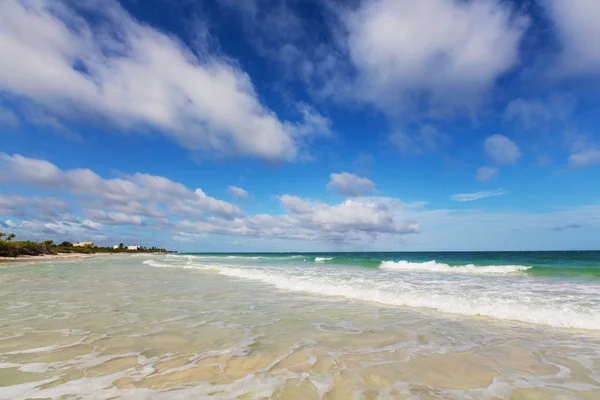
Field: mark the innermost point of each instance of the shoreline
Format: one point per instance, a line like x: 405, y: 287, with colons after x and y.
x: 61, y: 256
x: 46, y: 257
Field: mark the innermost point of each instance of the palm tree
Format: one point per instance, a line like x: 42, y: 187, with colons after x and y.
x: 10, y: 237
x: 1, y: 235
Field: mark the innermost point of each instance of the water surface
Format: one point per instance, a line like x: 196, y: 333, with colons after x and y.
x: 331, y: 326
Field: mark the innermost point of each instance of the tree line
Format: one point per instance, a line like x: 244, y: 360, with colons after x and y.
x: 9, y: 247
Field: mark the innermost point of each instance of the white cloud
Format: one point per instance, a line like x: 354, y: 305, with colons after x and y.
x: 350, y: 185
x: 486, y: 173
x: 447, y: 53
x: 463, y: 197
x: 140, y: 193
x: 501, y: 149
x: 238, y: 193
x: 119, y: 70
x: 113, y: 218
x: 362, y: 222
x: 578, y: 31
x: 360, y: 219
x: 161, y: 200
x: 44, y: 208
x: 585, y: 158
x: 188, y: 237
x: 72, y: 231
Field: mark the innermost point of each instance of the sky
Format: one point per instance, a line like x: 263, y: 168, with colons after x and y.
x: 302, y: 125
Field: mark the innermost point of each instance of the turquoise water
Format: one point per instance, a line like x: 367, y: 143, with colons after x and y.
x: 537, y: 263
x: 558, y: 289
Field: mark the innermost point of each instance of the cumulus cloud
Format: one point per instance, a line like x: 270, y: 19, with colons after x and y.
x: 350, y: 185
x: 114, y: 68
x: 464, y: 197
x: 585, y: 158
x: 360, y: 219
x: 168, y: 205
x: 486, y: 173
x: 113, y: 218
x: 501, y: 149
x: 140, y: 193
x: 447, y: 53
x: 578, y: 30
x: 238, y: 193
x: 424, y: 58
x: 71, y: 231
x: 44, y: 208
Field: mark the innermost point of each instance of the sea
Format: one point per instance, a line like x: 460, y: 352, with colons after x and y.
x: 445, y: 325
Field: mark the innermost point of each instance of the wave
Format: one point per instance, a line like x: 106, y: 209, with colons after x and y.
x: 265, y: 257
x: 353, y: 262
x: 582, y: 271
x: 242, y: 256
x: 157, y: 264
x: 433, y: 266
x: 540, y: 313
x: 509, y: 304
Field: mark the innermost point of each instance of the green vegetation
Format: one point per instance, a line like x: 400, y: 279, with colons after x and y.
x: 11, y: 248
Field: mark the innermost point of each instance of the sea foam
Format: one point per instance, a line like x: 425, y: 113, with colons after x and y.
x: 558, y: 315
x: 470, y: 290
x: 433, y: 266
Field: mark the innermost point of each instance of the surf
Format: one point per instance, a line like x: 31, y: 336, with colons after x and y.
x: 540, y: 313
x: 433, y: 266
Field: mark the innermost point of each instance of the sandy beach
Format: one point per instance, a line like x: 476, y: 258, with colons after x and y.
x: 46, y: 257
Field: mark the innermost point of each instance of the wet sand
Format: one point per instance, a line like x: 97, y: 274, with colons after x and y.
x: 46, y: 257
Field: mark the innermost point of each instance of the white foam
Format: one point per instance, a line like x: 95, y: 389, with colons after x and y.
x: 489, y: 291
x: 561, y: 315
x: 244, y: 257
x: 158, y: 264
x: 433, y: 266
x: 321, y: 259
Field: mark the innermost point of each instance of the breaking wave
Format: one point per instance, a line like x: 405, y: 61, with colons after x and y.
x: 559, y: 315
x: 433, y: 266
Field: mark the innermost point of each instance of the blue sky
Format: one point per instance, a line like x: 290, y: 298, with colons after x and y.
x: 287, y: 125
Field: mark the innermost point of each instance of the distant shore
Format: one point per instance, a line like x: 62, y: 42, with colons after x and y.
x: 49, y: 257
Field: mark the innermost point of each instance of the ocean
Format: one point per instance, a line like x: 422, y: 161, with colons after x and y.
x: 464, y: 325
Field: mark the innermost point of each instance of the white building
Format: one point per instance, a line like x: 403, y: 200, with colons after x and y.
x: 133, y: 247
x: 83, y: 244
x: 116, y: 246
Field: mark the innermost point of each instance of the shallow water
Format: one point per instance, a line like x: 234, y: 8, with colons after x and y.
x: 294, y: 328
